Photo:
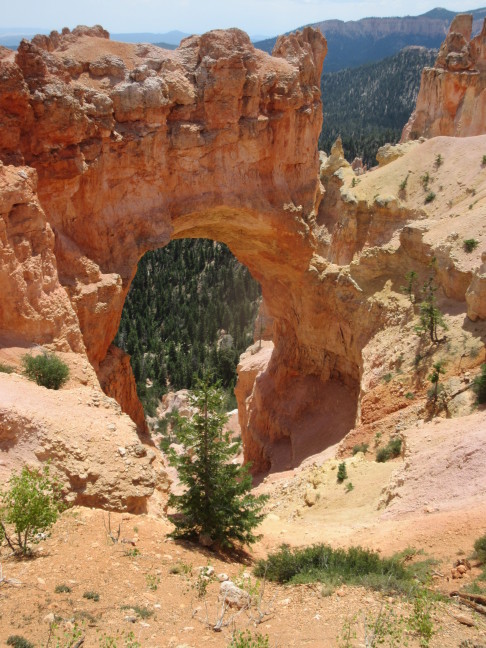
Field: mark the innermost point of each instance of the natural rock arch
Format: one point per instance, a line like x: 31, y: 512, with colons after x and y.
x: 133, y: 146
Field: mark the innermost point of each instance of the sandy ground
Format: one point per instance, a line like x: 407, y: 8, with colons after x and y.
x: 142, y: 572
x: 80, y: 556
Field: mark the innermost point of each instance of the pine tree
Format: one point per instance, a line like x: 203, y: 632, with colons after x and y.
x: 217, y: 506
x: 430, y: 315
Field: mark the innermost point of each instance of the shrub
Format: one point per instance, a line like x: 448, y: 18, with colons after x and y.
x: 360, y: 447
x: 91, y: 596
x: 434, y: 377
x: 410, y: 395
x: 140, y: 610
x: 480, y: 548
x: 31, y: 506
x: 349, y: 487
x: 19, y: 642
x: 244, y: 639
x: 439, y: 160
x: 5, y: 368
x: 430, y: 197
x: 217, y: 506
x: 479, y: 385
x: 46, y: 369
x: 470, y: 244
x: 395, y: 446
x: 390, y: 451
x: 425, y: 179
x: 403, y: 183
x: 382, y: 455
x: 420, y: 621
x: 342, y: 473
x: 62, y: 589
x: 483, y: 162
x: 321, y: 562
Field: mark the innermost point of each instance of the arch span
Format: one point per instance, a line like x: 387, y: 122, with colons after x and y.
x: 134, y: 145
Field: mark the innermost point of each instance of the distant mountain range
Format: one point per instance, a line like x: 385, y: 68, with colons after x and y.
x: 353, y: 43
x: 170, y: 40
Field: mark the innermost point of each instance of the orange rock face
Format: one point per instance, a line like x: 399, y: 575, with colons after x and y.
x: 133, y: 146
x: 33, y: 306
x: 452, y: 96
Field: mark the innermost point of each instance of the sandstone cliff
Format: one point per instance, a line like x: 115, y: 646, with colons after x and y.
x: 452, y: 96
x: 134, y: 146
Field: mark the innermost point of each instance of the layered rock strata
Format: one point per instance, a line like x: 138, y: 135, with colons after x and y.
x: 133, y: 146
x: 452, y: 96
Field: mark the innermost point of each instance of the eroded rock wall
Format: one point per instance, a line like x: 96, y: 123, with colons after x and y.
x: 452, y: 96
x: 134, y: 146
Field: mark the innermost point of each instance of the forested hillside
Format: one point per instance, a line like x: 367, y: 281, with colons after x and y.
x: 190, y: 309
x: 368, y: 106
x: 356, y: 42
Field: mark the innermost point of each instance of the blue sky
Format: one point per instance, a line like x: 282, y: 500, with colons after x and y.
x: 269, y: 17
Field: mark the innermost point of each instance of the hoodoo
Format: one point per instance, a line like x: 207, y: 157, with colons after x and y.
x: 452, y: 96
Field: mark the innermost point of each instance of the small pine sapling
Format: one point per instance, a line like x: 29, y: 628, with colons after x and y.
x: 409, y: 289
x: 431, y: 317
x: 434, y: 377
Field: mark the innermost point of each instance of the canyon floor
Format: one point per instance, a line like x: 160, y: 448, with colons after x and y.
x: 149, y: 586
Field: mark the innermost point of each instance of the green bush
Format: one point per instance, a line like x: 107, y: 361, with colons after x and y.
x: 479, y: 385
x: 382, y: 455
x: 322, y: 563
x: 30, y: 507
x: 5, y: 368
x: 360, y: 447
x: 390, y: 451
x: 470, y: 244
x: 244, y: 639
x: 46, y: 369
x: 395, y: 446
x: 91, y: 596
x: 430, y: 197
x: 19, y: 642
x: 342, y: 473
x: 480, y: 548
x: 62, y: 589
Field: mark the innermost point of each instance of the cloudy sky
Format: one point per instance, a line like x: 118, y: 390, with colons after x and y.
x: 268, y: 17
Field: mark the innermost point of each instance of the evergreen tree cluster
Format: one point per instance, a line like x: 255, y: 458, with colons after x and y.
x: 369, y: 105
x: 181, y: 299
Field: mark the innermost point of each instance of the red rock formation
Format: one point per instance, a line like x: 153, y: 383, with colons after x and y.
x: 117, y: 380
x: 134, y: 146
x: 33, y: 306
x: 452, y: 96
